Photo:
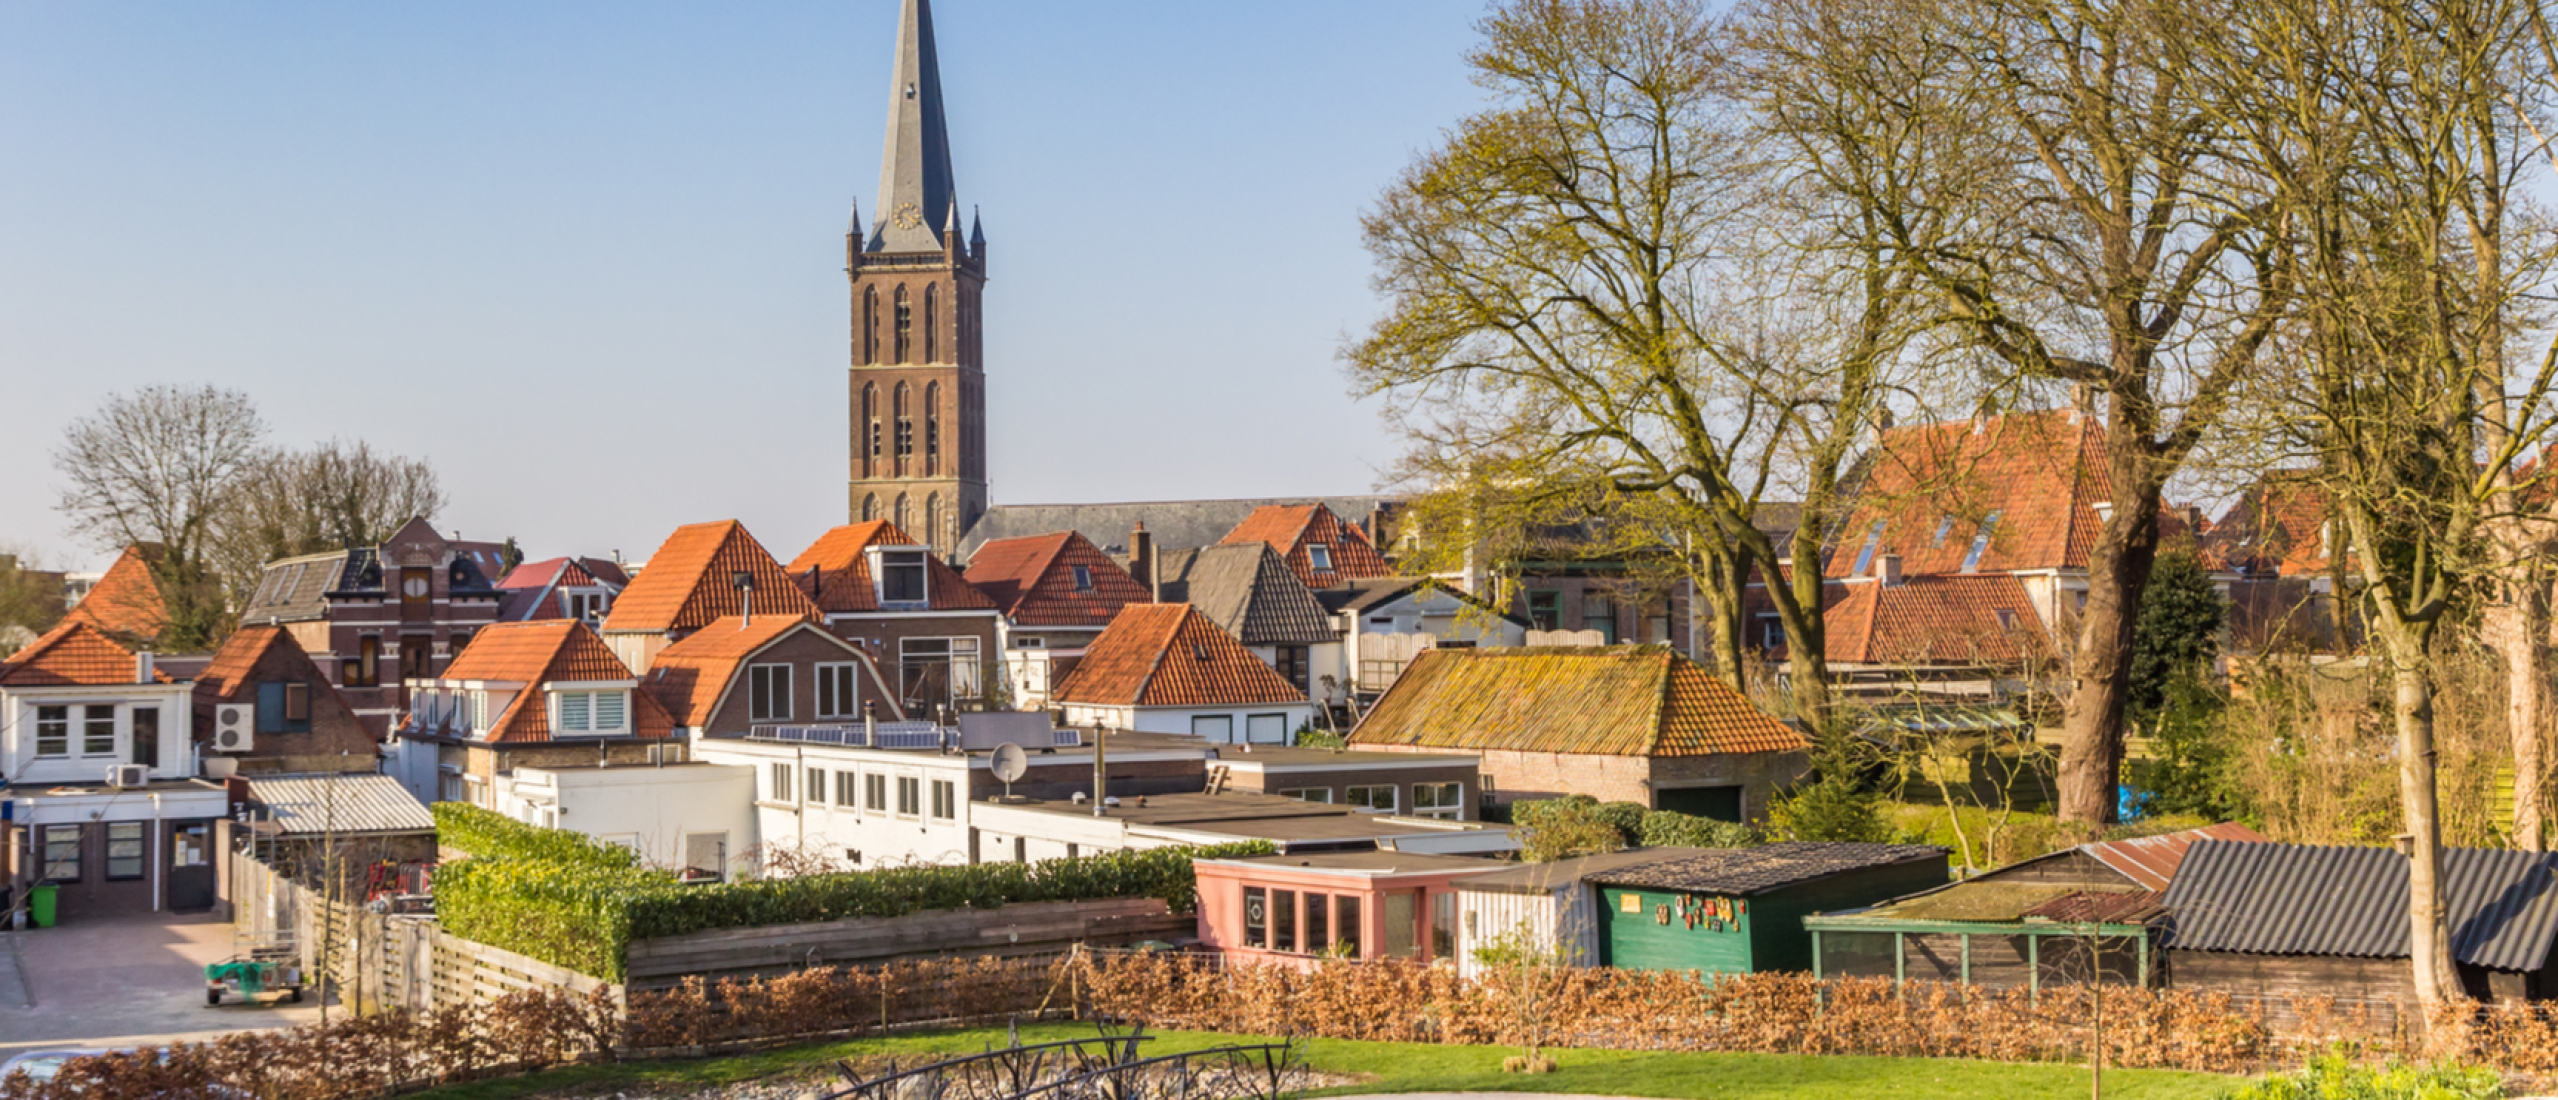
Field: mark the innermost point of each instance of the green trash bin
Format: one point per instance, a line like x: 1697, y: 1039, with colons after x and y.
x: 40, y: 904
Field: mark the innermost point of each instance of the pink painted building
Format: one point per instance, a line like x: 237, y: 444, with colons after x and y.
x: 1294, y: 910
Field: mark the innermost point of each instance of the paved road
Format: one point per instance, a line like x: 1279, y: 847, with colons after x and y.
x: 121, y: 982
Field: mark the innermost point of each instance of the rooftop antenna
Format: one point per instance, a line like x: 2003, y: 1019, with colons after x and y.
x: 745, y: 583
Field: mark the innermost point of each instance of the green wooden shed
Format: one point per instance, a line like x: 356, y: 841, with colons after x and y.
x: 1741, y: 910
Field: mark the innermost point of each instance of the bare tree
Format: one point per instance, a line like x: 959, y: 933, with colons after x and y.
x: 2374, y: 124
x: 338, y: 494
x: 158, y: 465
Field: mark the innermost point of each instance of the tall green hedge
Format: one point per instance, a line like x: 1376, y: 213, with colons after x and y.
x: 562, y: 898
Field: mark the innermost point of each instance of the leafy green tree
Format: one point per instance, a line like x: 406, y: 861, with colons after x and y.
x: 2177, y: 633
x: 1560, y: 828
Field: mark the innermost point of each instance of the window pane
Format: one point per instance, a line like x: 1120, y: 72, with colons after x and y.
x: 53, y: 731
x: 1256, y: 917
x: 297, y: 705
x: 1401, y: 913
x: 816, y: 790
x: 575, y: 716
x: 124, y: 849
x: 1346, y: 928
x: 875, y: 793
x: 146, y: 736
x: 609, y: 708
x: 1318, y: 914
x: 61, y: 853
x: 1283, y: 920
x: 910, y: 795
x: 1443, y: 925
x: 97, y: 731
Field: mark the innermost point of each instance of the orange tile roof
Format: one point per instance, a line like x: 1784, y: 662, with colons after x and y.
x: 238, y: 659
x: 2278, y: 525
x: 73, y: 654
x: 1931, y: 487
x: 1934, y: 620
x: 1614, y: 701
x: 1291, y: 528
x: 841, y: 564
x: 542, y: 652
x: 688, y: 582
x: 690, y: 677
x: 126, y: 601
x: 1032, y: 581
x: 1170, y: 655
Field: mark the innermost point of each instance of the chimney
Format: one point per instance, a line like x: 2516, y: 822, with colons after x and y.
x: 2082, y: 402
x: 1877, y: 422
x: 745, y: 583
x: 870, y: 722
x: 1141, y: 561
x: 1887, y: 567
x: 144, y: 667
x: 1100, y: 768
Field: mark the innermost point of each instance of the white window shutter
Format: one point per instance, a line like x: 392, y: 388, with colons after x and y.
x: 609, y: 710
x: 574, y: 712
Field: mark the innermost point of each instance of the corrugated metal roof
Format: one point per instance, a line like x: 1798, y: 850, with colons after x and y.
x: 310, y: 805
x: 1543, y: 878
x: 2151, y: 861
x: 1766, y: 867
x: 2297, y: 899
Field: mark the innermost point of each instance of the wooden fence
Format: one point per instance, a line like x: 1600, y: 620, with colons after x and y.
x: 1034, y: 930
x: 370, y: 961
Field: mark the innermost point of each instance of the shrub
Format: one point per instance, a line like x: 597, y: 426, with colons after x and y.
x: 1558, y: 828
x: 468, y: 828
x: 1667, y: 829
x: 1624, y: 817
x: 2333, y: 1077
x: 569, y: 901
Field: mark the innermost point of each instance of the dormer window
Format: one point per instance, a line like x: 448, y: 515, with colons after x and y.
x: 590, y: 606
x: 1980, y: 542
x: 1319, y: 555
x: 1083, y: 578
x: 900, y: 575
x: 591, y: 713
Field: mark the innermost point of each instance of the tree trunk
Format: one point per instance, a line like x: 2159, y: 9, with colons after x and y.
x: 2428, y: 933
x: 2517, y: 628
x: 1717, y: 588
x: 2118, y: 572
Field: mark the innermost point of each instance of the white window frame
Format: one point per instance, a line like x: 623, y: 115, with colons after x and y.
x: 847, y: 694
x: 592, y: 699
x: 875, y: 783
x: 1448, y: 808
x: 114, y: 724
x: 910, y: 796
x: 848, y: 789
x: 944, y: 800
x: 755, y: 685
x: 1319, y: 556
x: 61, y: 735
x: 812, y: 788
x: 785, y: 781
x: 922, y: 565
x: 1353, y: 796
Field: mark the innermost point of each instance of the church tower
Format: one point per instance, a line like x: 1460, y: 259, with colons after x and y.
x: 918, y: 376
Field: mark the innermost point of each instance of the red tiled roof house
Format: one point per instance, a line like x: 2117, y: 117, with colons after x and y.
x: 93, y: 738
x: 925, y: 625
x: 693, y: 579
x: 548, y: 693
x: 1056, y: 592
x: 1166, y: 668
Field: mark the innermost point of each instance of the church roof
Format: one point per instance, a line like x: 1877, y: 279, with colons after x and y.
x: 917, y: 198
x: 1175, y: 524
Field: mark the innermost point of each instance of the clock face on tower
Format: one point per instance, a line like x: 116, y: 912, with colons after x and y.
x: 908, y: 216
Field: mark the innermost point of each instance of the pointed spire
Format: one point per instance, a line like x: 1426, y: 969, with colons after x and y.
x: 914, y: 174
x: 855, y: 229
x: 976, y: 230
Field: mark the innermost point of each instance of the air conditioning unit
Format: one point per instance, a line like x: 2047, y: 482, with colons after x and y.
x: 235, y: 727
x: 128, y: 775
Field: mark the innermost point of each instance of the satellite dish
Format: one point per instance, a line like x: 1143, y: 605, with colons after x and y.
x: 1010, y: 764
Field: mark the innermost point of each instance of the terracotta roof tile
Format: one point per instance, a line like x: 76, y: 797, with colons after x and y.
x: 688, y: 582
x: 73, y: 654
x: 126, y: 601
x: 1170, y: 655
x: 1933, y: 487
x: 1617, y: 701
x: 1031, y: 580
x: 691, y: 676
x: 1947, y: 619
x: 2278, y: 525
x: 548, y: 651
x: 841, y: 563
x: 1292, y: 529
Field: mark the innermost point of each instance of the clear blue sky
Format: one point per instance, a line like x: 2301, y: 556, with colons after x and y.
x: 588, y: 257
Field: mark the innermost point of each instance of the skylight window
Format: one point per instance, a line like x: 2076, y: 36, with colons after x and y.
x: 1980, y: 542
x: 1319, y: 555
x: 1865, y: 557
x: 1944, y: 527
x: 1083, y: 578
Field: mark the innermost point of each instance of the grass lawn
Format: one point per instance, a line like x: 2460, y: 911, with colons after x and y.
x: 1412, y: 1067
